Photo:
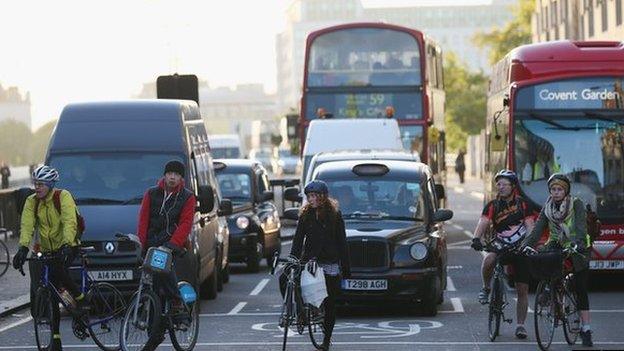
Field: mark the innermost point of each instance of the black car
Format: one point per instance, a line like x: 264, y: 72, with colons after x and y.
x: 395, y: 237
x: 254, y: 225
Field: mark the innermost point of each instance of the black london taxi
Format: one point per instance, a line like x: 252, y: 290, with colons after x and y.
x: 395, y: 236
x: 254, y: 225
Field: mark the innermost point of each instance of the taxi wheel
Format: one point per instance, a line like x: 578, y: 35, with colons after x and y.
x: 430, y: 302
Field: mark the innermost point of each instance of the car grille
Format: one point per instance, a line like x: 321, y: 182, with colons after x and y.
x: 366, y: 253
x: 122, y: 246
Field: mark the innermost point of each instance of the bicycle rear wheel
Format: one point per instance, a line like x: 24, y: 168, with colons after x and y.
x: 106, y: 312
x: 544, y: 315
x: 184, y: 335
x: 5, y: 257
x: 495, y: 309
x: 316, y: 324
x: 572, y: 316
x: 136, y: 332
x: 43, y: 316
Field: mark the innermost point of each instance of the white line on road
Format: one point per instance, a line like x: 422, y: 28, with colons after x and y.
x: 477, y: 194
x: 15, y: 324
x: 458, y: 190
x: 284, y: 243
x: 457, y: 305
x: 458, y: 227
x: 468, y: 233
x: 259, y: 287
x: 459, y: 243
x: 237, y: 308
x: 449, y: 284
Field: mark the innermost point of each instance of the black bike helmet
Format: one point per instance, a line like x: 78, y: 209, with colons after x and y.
x: 316, y: 186
x: 560, y: 178
x: 507, y: 174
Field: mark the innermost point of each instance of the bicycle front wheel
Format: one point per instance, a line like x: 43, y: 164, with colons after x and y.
x: 5, y: 258
x: 287, y: 313
x: 572, y: 315
x: 496, y: 309
x: 184, y: 334
x: 43, y: 318
x: 141, y: 321
x: 544, y: 315
x: 106, y: 312
x: 316, y: 324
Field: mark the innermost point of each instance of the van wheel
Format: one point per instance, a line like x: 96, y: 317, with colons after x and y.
x: 254, y: 258
x: 225, y: 273
x: 219, y: 273
x: 208, y: 288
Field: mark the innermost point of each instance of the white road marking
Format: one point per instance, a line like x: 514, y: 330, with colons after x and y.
x: 458, y: 227
x: 284, y: 243
x: 457, y: 243
x: 455, y: 267
x: 458, y: 190
x: 237, y: 308
x: 259, y: 287
x: 15, y: 324
x: 449, y: 284
x: 468, y: 233
x: 457, y: 305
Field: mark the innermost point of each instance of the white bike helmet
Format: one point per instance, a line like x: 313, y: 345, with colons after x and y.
x: 45, y: 174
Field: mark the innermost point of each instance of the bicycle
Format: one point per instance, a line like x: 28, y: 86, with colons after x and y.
x: 294, y: 311
x: 105, y: 305
x: 498, y: 293
x: 148, y: 317
x: 5, y: 257
x: 555, y: 297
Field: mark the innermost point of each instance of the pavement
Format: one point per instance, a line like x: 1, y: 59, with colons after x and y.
x: 14, y: 292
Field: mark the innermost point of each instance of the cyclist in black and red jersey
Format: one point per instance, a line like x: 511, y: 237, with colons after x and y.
x: 511, y: 220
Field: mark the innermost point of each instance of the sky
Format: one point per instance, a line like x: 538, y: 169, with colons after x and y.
x: 66, y: 51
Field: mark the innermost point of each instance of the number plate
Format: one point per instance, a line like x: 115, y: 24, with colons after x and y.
x: 111, y: 275
x: 364, y: 284
x: 606, y: 264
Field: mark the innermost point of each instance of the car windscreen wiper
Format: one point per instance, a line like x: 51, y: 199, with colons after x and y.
x: 360, y: 214
x: 403, y: 218
x: 135, y: 200
x: 97, y: 200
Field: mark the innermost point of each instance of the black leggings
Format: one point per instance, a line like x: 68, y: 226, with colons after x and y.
x: 580, y: 286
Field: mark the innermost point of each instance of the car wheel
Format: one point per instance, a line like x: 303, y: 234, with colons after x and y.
x: 219, y: 273
x: 253, y: 261
x: 208, y: 288
x: 430, y: 302
x: 225, y: 273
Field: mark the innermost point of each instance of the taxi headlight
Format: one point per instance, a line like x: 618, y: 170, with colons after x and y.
x: 418, y: 251
x: 242, y: 222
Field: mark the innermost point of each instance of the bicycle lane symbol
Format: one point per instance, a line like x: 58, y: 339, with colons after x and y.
x: 380, y: 330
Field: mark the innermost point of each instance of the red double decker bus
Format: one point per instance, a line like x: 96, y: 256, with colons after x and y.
x: 558, y: 107
x: 377, y: 70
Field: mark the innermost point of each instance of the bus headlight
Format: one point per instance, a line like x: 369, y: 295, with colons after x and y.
x: 242, y: 222
x: 418, y: 251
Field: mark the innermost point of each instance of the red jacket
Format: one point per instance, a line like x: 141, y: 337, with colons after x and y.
x: 185, y: 222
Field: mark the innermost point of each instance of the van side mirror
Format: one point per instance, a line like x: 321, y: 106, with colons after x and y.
x: 291, y: 213
x: 225, y: 207
x: 206, y: 198
x: 440, y: 192
x: 442, y: 215
x: 292, y: 194
x: 266, y: 196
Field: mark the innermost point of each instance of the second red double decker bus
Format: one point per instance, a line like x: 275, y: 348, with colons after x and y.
x: 378, y: 70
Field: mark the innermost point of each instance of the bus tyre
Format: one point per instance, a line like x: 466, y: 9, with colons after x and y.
x: 208, y: 288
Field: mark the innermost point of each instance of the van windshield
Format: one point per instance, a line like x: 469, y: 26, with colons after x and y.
x: 109, y: 178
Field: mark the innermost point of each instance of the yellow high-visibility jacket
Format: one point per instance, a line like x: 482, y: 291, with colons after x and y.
x: 55, y: 229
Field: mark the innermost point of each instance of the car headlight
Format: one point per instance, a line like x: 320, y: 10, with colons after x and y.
x: 418, y: 251
x: 242, y: 222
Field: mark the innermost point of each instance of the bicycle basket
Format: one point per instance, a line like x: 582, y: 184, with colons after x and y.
x: 546, y: 265
x: 158, y: 260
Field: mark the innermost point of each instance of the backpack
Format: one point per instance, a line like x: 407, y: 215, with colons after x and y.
x: 593, y: 224
x: 56, y: 200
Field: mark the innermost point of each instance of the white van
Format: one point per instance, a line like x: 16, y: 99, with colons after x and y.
x: 225, y: 146
x: 328, y: 135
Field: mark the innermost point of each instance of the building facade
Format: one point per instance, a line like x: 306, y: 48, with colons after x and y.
x: 578, y: 20
x: 15, y: 107
x: 453, y: 27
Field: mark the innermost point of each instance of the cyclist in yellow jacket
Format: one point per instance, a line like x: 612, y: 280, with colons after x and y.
x: 57, y: 234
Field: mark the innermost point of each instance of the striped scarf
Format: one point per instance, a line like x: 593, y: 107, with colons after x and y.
x: 558, y: 214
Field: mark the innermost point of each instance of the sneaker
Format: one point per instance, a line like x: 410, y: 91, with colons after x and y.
x: 521, y: 333
x: 586, y: 337
x: 484, y: 295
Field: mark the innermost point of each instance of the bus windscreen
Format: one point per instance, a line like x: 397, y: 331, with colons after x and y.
x: 364, y: 57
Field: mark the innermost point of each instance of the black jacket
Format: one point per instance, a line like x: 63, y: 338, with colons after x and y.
x: 325, y: 240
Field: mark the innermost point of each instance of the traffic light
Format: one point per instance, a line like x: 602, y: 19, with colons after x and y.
x: 178, y: 87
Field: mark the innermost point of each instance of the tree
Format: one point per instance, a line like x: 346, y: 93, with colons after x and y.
x: 517, y: 32
x: 15, y: 138
x: 465, y: 101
